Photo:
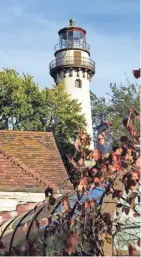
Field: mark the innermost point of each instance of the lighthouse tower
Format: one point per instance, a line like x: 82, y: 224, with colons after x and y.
x: 74, y: 68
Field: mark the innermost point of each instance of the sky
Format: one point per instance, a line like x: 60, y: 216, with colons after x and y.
x: 29, y: 32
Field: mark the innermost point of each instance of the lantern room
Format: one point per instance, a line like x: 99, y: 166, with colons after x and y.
x: 72, y: 37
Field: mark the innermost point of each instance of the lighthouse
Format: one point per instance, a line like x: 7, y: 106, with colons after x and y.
x: 73, y: 68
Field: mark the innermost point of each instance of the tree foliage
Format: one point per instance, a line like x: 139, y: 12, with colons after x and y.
x: 114, y: 107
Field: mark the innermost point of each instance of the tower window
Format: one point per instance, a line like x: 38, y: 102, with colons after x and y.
x: 78, y: 83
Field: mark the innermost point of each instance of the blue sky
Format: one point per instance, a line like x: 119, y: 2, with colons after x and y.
x: 28, y: 34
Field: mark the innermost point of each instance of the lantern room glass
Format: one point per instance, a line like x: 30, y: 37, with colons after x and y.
x: 72, y: 38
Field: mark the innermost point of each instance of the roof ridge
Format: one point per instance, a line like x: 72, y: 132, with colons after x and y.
x: 26, y: 169
x: 25, y: 131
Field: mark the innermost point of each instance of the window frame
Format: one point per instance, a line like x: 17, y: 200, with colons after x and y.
x: 80, y: 83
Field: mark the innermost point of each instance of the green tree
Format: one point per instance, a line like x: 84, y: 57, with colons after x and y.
x: 62, y: 115
x: 19, y: 98
x: 122, y: 100
x: 115, y: 107
x: 99, y: 112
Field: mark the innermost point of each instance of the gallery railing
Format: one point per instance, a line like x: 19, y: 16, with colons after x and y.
x: 72, y: 61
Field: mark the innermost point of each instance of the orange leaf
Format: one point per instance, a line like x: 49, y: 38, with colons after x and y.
x: 135, y: 214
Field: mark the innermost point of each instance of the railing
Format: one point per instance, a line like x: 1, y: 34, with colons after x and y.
x: 72, y: 44
x: 72, y: 62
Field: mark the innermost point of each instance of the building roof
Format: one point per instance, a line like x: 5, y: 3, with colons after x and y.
x: 30, y: 160
x: 71, y: 26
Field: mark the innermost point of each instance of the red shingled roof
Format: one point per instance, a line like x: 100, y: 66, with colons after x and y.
x: 31, y: 160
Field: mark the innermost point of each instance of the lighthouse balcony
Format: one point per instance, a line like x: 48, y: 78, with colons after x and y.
x: 72, y: 44
x: 71, y: 62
